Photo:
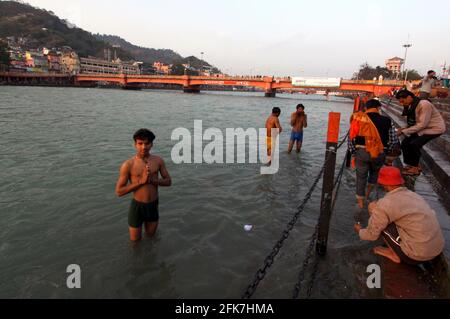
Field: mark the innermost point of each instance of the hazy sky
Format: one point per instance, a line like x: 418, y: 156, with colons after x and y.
x: 278, y: 37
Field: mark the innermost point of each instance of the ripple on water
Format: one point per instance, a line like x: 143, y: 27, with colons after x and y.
x: 61, y: 154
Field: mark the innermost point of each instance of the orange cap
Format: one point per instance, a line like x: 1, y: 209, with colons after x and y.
x: 390, y: 176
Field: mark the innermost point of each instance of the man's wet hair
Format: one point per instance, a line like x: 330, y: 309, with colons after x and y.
x: 429, y: 72
x: 403, y: 94
x: 373, y: 103
x: 144, y: 134
x: 276, y: 110
x: 300, y: 106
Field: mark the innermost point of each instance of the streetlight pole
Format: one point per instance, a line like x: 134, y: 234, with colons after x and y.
x: 201, y: 67
x: 406, y: 46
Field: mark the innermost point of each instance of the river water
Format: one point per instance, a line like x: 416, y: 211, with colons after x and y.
x: 61, y: 149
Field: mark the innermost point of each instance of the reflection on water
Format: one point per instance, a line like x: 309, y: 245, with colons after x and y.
x: 61, y: 152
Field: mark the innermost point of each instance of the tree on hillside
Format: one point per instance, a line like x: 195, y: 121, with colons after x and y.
x: 179, y: 69
x: 215, y: 70
x: 4, y: 56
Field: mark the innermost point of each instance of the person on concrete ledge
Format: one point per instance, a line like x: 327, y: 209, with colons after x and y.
x: 405, y: 221
x: 425, y: 123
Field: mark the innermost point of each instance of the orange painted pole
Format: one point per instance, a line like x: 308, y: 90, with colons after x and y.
x: 356, y: 104
x: 328, y: 182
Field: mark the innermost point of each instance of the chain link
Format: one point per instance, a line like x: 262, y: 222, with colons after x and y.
x: 313, y: 278
x: 268, y: 262
x: 308, y: 255
x: 309, y: 252
x: 260, y: 274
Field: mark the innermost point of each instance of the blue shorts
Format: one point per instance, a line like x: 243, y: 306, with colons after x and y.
x: 297, y: 136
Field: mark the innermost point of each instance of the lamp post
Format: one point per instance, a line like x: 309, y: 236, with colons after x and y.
x: 201, y: 67
x: 406, y: 46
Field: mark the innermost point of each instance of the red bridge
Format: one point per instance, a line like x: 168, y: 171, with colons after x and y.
x: 191, y: 84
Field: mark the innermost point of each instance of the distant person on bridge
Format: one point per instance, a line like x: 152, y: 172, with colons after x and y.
x: 405, y: 221
x: 299, y: 121
x: 139, y: 175
x: 273, y: 122
x: 425, y: 123
x: 372, y: 135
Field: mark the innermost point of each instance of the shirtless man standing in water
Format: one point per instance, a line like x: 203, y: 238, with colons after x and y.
x: 139, y: 174
x: 272, y: 122
x: 298, y: 123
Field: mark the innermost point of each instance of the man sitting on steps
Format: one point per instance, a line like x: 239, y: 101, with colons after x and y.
x: 425, y: 123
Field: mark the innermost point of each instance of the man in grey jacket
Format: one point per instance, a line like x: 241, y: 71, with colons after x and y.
x: 405, y: 221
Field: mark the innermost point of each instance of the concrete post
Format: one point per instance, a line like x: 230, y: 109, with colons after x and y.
x: 328, y: 182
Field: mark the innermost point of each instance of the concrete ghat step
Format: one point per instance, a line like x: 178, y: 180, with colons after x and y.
x: 442, y: 105
x: 430, y: 281
x: 442, y: 144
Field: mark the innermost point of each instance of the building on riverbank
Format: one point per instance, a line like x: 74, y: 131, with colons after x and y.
x: 92, y: 65
x: 70, y: 63
x: 395, y: 65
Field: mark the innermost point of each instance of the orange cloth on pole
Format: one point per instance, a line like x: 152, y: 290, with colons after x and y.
x: 363, y: 126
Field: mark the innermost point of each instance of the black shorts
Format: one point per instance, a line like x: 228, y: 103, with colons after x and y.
x: 140, y: 213
x: 390, y: 234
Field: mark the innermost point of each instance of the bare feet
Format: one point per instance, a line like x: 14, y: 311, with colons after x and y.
x: 388, y: 253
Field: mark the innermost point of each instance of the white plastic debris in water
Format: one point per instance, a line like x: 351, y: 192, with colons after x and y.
x: 248, y: 227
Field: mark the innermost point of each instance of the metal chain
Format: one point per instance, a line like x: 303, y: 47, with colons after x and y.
x: 268, y: 262
x: 313, y: 240
x: 261, y: 273
x: 337, y: 184
x: 343, y: 141
x: 313, y: 277
x: 309, y: 253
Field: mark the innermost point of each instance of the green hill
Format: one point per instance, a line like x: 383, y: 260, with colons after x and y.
x: 43, y: 28
x: 145, y: 55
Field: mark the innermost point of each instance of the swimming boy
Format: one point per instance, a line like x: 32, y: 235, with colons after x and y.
x: 140, y: 175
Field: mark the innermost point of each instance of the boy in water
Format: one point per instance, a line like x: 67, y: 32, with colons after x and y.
x: 273, y: 122
x: 139, y: 175
x: 298, y: 123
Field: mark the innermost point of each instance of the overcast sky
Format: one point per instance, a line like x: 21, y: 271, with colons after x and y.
x: 278, y: 37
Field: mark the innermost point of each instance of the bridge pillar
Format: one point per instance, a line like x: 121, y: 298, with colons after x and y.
x: 191, y: 89
x: 270, y: 93
x: 131, y: 87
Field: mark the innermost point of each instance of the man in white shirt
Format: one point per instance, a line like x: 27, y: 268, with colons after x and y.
x: 427, y: 85
x: 425, y: 123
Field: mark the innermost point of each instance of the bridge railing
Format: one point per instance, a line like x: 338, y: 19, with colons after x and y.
x: 372, y: 82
